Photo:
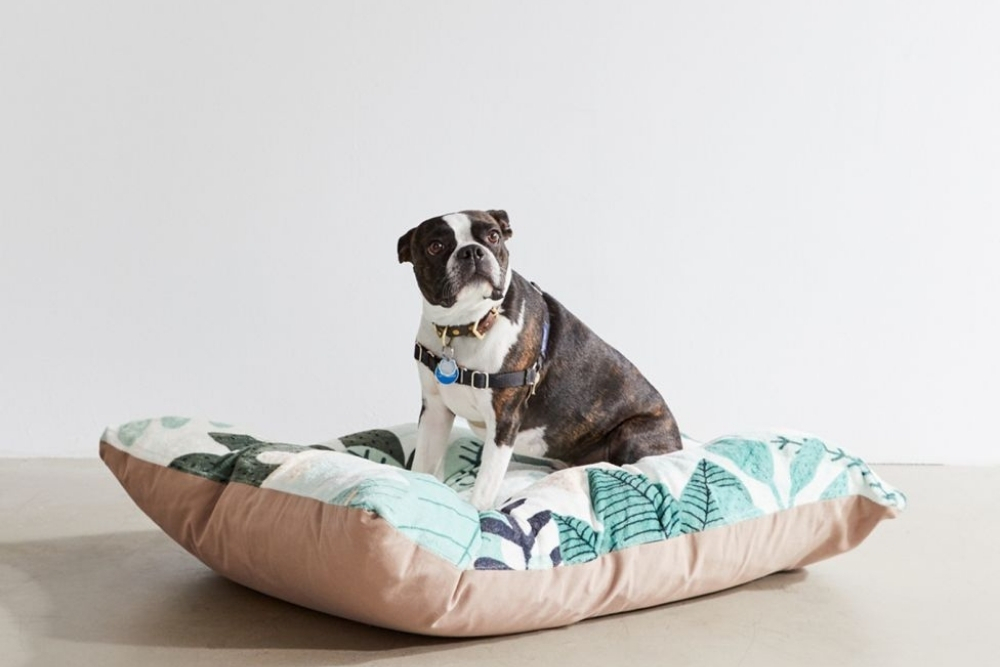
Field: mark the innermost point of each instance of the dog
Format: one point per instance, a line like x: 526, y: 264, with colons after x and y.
x: 517, y: 365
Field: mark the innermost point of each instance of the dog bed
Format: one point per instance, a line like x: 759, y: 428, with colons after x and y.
x: 343, y: 527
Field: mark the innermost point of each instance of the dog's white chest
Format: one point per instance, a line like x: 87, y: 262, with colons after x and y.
x: 473, y: 405
x: 486, y: 355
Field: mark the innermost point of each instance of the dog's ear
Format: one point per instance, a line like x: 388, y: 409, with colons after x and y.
x: 504, y: 222
x: 403, y: 247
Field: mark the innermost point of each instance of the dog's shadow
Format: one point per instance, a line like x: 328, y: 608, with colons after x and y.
x: 141, y: 589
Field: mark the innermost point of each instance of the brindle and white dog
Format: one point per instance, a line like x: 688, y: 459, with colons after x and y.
x: 520, y: 368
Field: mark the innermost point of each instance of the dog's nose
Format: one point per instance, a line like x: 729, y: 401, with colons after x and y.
x: 472, y: 252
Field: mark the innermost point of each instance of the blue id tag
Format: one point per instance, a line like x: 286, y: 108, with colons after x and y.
x: 446, y: 371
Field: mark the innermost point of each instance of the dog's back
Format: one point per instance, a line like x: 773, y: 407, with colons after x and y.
x: 592, y: 402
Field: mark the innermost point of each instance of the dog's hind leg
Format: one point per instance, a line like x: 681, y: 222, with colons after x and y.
x: 641, y: 436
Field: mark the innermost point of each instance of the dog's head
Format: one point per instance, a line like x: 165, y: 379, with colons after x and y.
x: 460, y: 260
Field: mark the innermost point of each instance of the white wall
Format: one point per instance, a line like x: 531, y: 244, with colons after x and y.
x: 785, y: 212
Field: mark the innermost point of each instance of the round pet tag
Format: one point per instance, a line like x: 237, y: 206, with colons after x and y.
x: 446, y: 371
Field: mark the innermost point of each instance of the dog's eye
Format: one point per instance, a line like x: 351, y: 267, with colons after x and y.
x: 494, y: 237
x: 435, y: 248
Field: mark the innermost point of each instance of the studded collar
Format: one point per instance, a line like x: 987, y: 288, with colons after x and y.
x: 477, y: 329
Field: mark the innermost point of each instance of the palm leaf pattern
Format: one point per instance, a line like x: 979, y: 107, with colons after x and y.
x: 628, y: 506
x: 577, y: 539
x: 503, y: 525
x: 700, y: 508
x: 379, y: 445
x: 583, y: 514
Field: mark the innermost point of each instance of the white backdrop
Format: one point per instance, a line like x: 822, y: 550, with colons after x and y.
x: 786, y: 213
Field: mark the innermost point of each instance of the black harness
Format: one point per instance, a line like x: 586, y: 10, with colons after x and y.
x: 481, y: 380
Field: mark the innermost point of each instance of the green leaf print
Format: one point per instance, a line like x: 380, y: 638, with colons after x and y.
x: 129, y: 433
x: 577, y: 539
x: 216, y: 467
x: 837, y: 489
x: 700, y: 501
x: 838, y: 455
x: 251, y: 470
x: 377, y: 445
x: 173, y: 422
x: 234, y: 441
x: 463, y: 455
x: 752, y: 457
x: 376, y: 455
x: 629, y: 506
x: 423, y: 509
x: 241, y: 463
x: 804, y: 465
x: 733, y: 498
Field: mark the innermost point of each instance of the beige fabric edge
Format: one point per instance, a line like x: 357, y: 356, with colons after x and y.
x: 351, y: 563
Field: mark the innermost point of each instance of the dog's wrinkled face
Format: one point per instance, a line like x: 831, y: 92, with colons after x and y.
x: 460, y: 257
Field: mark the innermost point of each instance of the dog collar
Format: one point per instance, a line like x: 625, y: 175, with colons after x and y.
x: 477, y: 329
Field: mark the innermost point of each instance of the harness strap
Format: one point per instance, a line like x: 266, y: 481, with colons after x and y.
x: 479, y: 379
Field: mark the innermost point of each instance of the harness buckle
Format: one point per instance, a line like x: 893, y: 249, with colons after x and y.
x: 536, y: 375
x: 485, y: 376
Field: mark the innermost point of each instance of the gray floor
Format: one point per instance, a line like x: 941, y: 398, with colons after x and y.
x: 87, y: 579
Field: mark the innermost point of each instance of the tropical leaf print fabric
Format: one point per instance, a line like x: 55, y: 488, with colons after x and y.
x: 549, y: 517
